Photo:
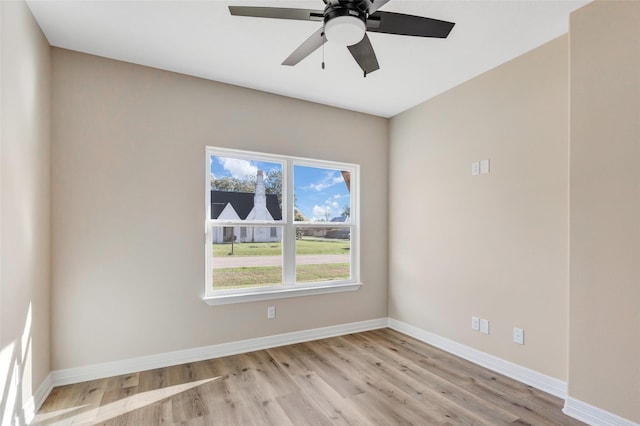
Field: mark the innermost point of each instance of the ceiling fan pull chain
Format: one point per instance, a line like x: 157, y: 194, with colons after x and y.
x: 324, y: 39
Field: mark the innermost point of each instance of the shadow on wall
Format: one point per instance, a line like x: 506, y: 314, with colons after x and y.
x: 18, y: 406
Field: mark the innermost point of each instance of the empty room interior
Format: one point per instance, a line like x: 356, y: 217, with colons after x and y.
x: 488, y: 269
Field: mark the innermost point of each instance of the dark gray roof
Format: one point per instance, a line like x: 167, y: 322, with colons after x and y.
x: 242, y: 203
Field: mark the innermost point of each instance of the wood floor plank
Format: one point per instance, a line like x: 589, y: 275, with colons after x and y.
x: 152, y: 379
x: 379, y: 377
x: 158, y: 413
x: 85, y: 397
x: 381, y: 388
x: 397, y: 402
x: 268, y: 375
x: 188, y: 405
x: 289, y: 360
x: 301, y: 411
x: 431, y: 384
x: 529, y: 404
x: 339, y: 378
x: 114, y: 402
x: 333, y: 405
x: 263, y: 411
x: 426, y: 387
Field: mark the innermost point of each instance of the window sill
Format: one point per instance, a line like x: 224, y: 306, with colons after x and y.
x: 226, y: 299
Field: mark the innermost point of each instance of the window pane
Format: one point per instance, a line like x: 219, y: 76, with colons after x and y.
x: 248, y: 262
x: 321, y: 194
x: 245, y: 189
x: 323, y: 254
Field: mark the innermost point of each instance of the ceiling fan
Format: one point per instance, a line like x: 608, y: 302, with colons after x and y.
x: 345, y: 22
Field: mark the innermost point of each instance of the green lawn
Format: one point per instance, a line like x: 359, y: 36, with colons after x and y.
x: 303, y: 246
x: 261, y: 276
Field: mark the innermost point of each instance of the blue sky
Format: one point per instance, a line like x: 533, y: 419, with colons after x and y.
x: 320, y: 193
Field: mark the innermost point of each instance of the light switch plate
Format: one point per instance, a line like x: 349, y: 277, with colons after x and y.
x: 475, y: 323
x: 484, y: 326
x: 484, y: 167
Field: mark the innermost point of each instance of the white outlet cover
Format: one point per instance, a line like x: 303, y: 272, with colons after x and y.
x: 475, y: 323
x: 475, y: 168
x: 484, y: 326
x: 271, y: 312
x: 484, y: 167
x: 518, y: 335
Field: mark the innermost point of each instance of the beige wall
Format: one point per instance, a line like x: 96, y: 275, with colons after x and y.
x: 128, y: 180
x: 604, y: 367
x: 496, y: 245
x: 128, y: 183
x: 24, y: 200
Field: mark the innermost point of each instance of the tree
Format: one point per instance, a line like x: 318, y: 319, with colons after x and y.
x: 234, y: 184
x: 346, y: 211
x: 298, y: 216
x: 272, y: 183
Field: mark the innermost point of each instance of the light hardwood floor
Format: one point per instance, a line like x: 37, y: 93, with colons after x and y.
x: 379, y: 377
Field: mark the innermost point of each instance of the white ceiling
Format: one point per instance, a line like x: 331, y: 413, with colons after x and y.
x: 202, y: 39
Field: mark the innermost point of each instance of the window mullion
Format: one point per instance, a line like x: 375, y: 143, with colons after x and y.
x: 289, y: 234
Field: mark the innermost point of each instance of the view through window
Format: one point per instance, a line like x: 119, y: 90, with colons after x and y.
x: 279, y: 222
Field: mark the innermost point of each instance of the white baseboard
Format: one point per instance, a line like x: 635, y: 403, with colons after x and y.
x: 522, y: 374
x: 132, y: 365
x: 33, y: 404
x: 593, y: 415
x: 574, y: 408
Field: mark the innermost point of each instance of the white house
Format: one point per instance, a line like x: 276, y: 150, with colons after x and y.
x: 257, y: 206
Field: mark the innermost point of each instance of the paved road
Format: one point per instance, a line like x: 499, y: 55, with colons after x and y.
x: 311, y: 259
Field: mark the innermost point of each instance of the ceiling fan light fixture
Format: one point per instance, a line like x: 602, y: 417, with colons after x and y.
x: 345, y: 30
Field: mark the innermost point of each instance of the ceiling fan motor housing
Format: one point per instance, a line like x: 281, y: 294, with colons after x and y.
x: 344, y: 23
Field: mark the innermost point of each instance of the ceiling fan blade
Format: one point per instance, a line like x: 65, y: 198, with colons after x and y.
x: 410, y: 25
x: 316, y: 40
x: 364, y: 55
x: 277, y: 12
x: 375, y: 5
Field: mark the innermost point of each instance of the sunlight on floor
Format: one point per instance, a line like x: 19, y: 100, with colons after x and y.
x: 46, y: 418
x: 91, y: 414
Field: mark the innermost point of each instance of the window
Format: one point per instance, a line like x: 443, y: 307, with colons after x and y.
x: 279, y: 226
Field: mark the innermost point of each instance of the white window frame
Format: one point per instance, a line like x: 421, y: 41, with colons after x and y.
x: 288, y: 288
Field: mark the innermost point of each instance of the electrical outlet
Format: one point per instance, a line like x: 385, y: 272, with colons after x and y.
x: 271, y: 312
x: 475, y: 168
x: 475, y: 323
x: 518, y: 335
x: 484, y: 326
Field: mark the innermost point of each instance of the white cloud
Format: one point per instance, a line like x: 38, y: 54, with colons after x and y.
x: 238, y: 168
x: 317, y: 187
x: 329, y: 181
x: 321, y: 212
